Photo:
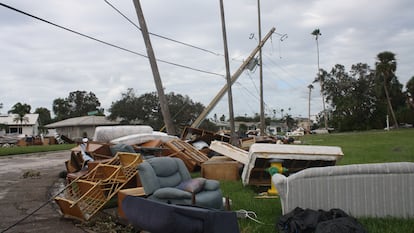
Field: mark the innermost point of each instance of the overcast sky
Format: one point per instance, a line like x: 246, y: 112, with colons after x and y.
x: 40, y: 62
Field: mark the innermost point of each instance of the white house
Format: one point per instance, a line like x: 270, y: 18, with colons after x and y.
x: 77, y: 127
x: 12, y: 123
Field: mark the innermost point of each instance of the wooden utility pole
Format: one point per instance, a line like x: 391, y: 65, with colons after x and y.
x: 234, y: 77
x: 262, y: 117
x: 310, y: 86
x: 163, y: 100
x: 229, y: 92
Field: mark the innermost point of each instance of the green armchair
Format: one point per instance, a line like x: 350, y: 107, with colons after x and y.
x: 167, y: 180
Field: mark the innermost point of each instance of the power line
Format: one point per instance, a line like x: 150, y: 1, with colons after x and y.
x: 160, y: 36
x: 106, y: 43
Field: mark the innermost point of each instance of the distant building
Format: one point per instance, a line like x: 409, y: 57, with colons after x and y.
x: 75, y: 128
x: 12, y: 125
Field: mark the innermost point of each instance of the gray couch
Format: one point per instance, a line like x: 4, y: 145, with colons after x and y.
x: 361, y: 190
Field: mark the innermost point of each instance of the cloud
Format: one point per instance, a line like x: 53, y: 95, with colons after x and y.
x: 41, y: 62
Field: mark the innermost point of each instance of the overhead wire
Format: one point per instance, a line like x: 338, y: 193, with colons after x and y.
x: 160, y: 36
x: 106, y: 43
x: 252, y: 36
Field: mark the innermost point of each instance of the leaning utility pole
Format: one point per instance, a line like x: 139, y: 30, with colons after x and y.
x: 229, y: 92
x: 163, y: 100
x: 234, y: 77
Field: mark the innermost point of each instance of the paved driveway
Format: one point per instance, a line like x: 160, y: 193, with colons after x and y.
x: 26, y: 182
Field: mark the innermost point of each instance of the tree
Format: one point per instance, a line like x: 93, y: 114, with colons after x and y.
x: 146, y: 109
x: 127, y: 108
x: 386, y: 66
x: 20, y: 110
x: 44, y: 118
x: 77, y: 104
x: 351, y: 97
x: 183, y: 110
x: 290, y: 122
x: 410, y: 92
x: 82, y: 102
x: 61, y: 109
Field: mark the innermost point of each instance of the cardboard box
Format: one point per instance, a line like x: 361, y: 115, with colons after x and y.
x: 221, y: 168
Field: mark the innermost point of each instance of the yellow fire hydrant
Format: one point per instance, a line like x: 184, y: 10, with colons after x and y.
x: 275, y: 167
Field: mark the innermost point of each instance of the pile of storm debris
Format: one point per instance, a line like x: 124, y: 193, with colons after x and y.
x: 99, y: 168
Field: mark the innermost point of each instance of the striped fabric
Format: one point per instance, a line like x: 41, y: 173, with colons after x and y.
x: 374, y: 190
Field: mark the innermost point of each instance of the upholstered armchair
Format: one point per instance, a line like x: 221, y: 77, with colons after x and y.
x: 168, y: 180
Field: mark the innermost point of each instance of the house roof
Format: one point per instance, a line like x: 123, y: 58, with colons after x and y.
x: 83, y: 121
x: 32, y: 118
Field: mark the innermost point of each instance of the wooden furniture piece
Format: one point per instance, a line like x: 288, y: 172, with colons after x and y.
x: 136, y: 192
x: 220, y: 168
x: 186, y: 152
x: 87, y: 194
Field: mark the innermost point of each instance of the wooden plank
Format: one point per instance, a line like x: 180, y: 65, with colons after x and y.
x: 186, y: 152
x: 230, y: 151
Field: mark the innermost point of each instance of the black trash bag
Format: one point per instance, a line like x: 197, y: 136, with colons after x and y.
x: 308, y: 221
x: 299, y: 221
x: 340, y: 225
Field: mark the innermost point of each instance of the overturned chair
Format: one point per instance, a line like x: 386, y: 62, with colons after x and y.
x: 167, y: 180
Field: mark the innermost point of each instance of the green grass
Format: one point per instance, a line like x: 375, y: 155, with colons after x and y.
x: 358, y: 147
x: 369, y: 147
x: 34, y: 149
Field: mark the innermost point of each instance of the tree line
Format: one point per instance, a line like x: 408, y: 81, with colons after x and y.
x: 130, y: 109
x: 362, y: 98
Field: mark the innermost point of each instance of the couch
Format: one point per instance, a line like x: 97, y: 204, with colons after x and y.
x: 361, y: 190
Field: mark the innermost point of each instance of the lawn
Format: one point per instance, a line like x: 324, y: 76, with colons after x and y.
x: 358, y: 147
x: 34, y: 149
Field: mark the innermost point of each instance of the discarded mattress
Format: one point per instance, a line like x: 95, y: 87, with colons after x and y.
x: 324, y: 155
x: 295, y: 157
x: 140, y: 138
x: 108, y: 133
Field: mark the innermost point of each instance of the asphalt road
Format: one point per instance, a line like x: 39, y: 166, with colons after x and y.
x: 27, y: 183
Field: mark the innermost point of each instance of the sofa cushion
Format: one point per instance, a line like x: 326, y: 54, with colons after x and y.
x: 193, y: 185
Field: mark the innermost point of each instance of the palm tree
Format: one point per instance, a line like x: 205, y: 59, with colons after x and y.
x: 319, y: 79
x: 21, y: 119
x: 386, y: 67
x: 20, y: 110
